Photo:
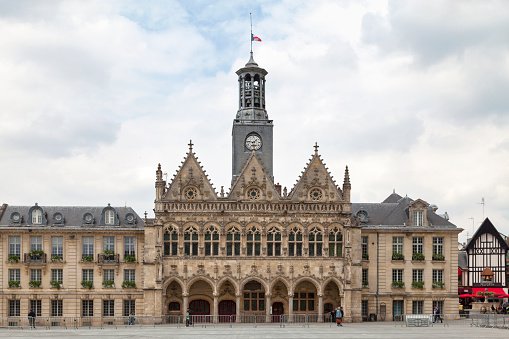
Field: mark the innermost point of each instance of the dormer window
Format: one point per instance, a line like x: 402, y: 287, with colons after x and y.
x: 109, y: 217
x: 418, y: 218
x: 37, y: 217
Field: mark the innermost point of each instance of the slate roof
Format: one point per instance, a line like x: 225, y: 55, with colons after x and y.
x: 73, y: 216
x: 462, y: 260
x: 393, y: 212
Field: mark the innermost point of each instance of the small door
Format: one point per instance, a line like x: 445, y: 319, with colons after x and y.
x: 227, y: 311
x: 277, y: 311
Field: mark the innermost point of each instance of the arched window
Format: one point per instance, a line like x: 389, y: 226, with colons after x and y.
x: 254, y: 241
x: 171, y: 240
x: 109, y: 217
x: 191, y: 241
x: 335, y: 243
x: 37, y: 216
x: 273, y: 242
x: 315, y: 242
x: 211, y: 241
x: 233, y: 242
x: 295, y: 242
x: 174, y: 306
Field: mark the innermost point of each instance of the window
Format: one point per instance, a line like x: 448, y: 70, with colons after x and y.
x: 439, y: 304
x: 191, y: 241
x: 14, y: 245
x: 108, y: 308
x: 315, y: 242
x: 364, y: 245
x: 129, y: 307
x: 335, y: 243
x: 438, y: 276
x: 174, y: 306
x: 397, y: 245
x: 88, y: 275
x: 397, y: 275
x: 254, y: 241
x: 303, y: 301
x: 295, y: 242
x: 37, y: 217
x: 417, y: 275
x: 57, y: 246
x: 130, y: 275
x: 109, y: 244
x: 254, y: 301
x: 171, y: 239
x: 36, y: 274
x: 233, y: 242
x: 438, y: 246
x: 88, y: 246
x: 14, y: 274
x: 417, y: 306
x: 130, y: 246
x: 57, y: 275
x: 364, y: 308
x: 417, y: 245
x: 364, y: 277
x: 211, y: 241
x: 109, y: 275
x: 56, y: 308
x: 273, y: 242
x: 36, y: 243
x: 35, y: 305
x: 418, y: 218
x: 87, y: 308
x: 14, y: 308
x: 109, y: 217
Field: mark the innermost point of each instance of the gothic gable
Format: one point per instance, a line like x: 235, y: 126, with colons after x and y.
x: 190, y: 183
x: 316, y: 184
x: 253, y: 183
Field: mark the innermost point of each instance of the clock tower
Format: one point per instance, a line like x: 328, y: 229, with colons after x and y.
x: 252, y: 128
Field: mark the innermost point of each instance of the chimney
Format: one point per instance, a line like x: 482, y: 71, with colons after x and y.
x: 278, y: 188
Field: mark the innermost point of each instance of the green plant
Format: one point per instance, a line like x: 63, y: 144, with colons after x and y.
x: 109, y: 252
x: 34, y: 283
x: 364, y: 283
x: 56, y: 258
x: 418, y: 257
x: 438, y: 257
x: 365, y: 256
x: 129, y: 258
x: 438, y: 284
x: 56, y: 284
x: 398, y: 256
x: 127, y: 284
x: 485, y: 294
x: 108, y: 283
x: 14, y: 258
x: 13, y: 283
x: 87, y: 258
x: 418, y: 284
x: 87, y: 284
x: 398, y: 284
x: 34, y: 253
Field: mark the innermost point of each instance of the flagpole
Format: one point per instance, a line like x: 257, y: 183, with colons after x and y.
x: 251, y: 38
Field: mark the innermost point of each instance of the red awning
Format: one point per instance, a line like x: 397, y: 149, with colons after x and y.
x: 459, y: 272
x: 495, y: 290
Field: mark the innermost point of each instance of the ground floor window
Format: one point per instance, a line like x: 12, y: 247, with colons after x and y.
x: 87, y: 308
x: 417, y: 307
x: 129, y: 307
x: 56, y: 308
x: 14, y: 308
x: 108, y: 308
x: 254, y: 301
x: 35, y: 305
x: 174, y: 306
x: 303, y: 301
x: 439, y: 304
x: 397, y: 309
x: 364, y: 308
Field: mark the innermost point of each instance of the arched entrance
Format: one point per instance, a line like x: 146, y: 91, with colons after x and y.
x: 173, y: 301
x: 331, y: 299
x: 227, y: 311
x: 305, y: 299
x: 253, y: 295
x: 199, y: 310
x: 277, y: 311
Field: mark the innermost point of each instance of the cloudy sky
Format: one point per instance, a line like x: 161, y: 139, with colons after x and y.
x: 411, y: 95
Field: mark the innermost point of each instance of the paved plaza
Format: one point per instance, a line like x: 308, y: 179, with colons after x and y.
x: 357, y: 330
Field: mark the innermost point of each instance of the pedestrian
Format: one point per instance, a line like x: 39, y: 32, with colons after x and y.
x: 341, y: 316
x: 131, y: 318
x: 332, y: 315
x: 31, y: 318
x: 438, y: 315
x: 188, y: 318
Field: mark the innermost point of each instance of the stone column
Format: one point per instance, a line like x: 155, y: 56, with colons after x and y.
x: 237, y: 309
x: 320, y: 308
x: 268, y: 307
x: 216, y: 307
x: 290, y: 308
x: 184, y: 308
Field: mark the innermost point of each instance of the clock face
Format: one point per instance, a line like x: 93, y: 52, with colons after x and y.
x: 253, y: 141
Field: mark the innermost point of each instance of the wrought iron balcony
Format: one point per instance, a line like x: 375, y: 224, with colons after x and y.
x: 38, y: 259
x: 108, y: 259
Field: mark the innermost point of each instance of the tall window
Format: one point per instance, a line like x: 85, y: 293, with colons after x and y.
x: 130, y: 275
x: 335, y: 243
x: 315, y: 242
x: 109, y: 244
x: 233, y: 241
x: 35, y: 305
x: 417, y: 306
x: 108, y: 308
x: 36, y: 274
x: 211, y: 241
x: 303, y: 301
x: 418, y: 218
x: 438, y: 276
x: 439, y: 304
x: 417, y: 245
x: 87, y: 308
x: 88, y: 275
x: 109, y: 217
x: 254, y: 297
x: 254, y: 242
x: 364, y: 247
x: 36, y: 243
x: 14, y: 308
x: 14, y: 274
x: 364, y: 277
x: 57, y: 275
x: 57, y: 247
x: 295, y: 242
x: 130, y: 246
x: 397, y: 275
x: 191, y: 241
x: 56, y: 308
x: 109, y: 276
x: 88, y: 246
x: 171, y: 239
x: 129, y: 306
x: 273, y: 242
x: 438, y: 246
x: 364, y: 308
x: 397, y: 245
x: 14, y: 245
x: 37, y: 216
x: 417, y: 275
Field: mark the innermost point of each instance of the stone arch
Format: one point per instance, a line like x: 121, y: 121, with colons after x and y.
x: 248, y: 279
x: 317, y: 225
x: 334, y: 280
x: 232, y: 281
x: 283, y: 280
x: 167, y: 281
x: 203, y: 278
x: 233, y: 224
x: 309, y: 279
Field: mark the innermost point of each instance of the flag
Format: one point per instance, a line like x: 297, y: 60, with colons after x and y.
x: 255, y: 38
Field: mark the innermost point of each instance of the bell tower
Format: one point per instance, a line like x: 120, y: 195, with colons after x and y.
x: 252, y: 128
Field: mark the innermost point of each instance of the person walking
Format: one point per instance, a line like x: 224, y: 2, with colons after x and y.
x: 188, y: 318
x: 131, y: 318
x: 31, y: 318
x: 339, y: 316
x: 438, y: 315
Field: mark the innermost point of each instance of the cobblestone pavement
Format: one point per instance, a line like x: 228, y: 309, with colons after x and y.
x: 358, y: 330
